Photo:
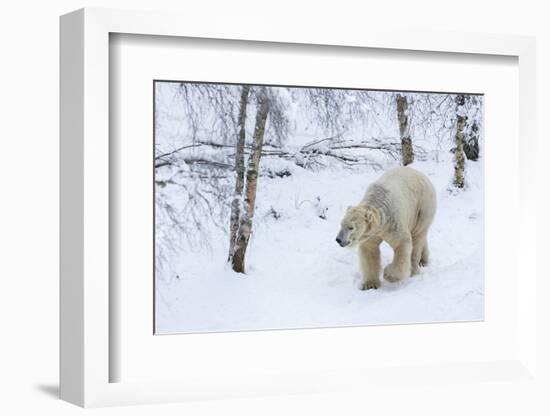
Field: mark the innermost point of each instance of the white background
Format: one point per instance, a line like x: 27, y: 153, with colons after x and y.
x: 28, y: 213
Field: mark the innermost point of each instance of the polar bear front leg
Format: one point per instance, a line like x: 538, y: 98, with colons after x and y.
x: 369, y: 257
x: 400, y: 267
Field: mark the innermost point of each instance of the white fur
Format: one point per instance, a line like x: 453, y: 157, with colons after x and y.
x: 398, y: 208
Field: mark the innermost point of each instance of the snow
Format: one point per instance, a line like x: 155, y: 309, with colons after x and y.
x: 298, y: 277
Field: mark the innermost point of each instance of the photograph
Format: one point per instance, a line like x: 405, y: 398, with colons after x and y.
x: 294, y: 207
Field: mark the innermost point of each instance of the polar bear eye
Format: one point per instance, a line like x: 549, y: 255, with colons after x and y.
x: 350, y: 228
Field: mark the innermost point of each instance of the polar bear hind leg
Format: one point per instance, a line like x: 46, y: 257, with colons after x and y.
x: 419, y: 255
x: 425, y: 257
x: 400, y: 267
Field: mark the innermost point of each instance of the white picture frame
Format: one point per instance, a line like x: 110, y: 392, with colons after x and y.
x: 85, y: 264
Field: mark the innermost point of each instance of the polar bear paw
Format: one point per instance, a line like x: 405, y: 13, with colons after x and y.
x: 393, y: 274
x: 370, y: 284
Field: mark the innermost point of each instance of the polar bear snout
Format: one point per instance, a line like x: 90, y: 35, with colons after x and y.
x: 342, y: 239
x: 341, y: 242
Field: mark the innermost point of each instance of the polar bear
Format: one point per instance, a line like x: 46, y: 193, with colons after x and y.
x: 398, y: 208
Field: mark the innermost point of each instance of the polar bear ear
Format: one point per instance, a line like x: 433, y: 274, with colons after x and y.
x: 370, y: 216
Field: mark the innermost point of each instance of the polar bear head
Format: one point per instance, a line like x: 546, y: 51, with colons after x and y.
x: 359, y: 223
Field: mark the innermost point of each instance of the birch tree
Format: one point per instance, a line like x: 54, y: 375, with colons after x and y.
x: 237, y: 201
x: 472, y: 129
x: 459, y: 157
x: 244, y: 229
x: 471, y: 144
x: 407, y: 153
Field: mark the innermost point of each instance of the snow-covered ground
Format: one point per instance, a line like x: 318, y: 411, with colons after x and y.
x: 298, y: 277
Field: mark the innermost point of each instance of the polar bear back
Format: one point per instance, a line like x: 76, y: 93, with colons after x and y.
x: 407, y: 196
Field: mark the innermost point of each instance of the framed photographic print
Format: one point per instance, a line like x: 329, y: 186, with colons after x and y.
x: 258, y: 189
x: 262, y: 214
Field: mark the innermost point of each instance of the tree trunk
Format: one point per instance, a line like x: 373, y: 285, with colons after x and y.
x: 245, y: 224
x: 237, y: 202
x: 407, y: 152
x: 459, y: 158
x: 471, y: 144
